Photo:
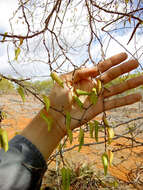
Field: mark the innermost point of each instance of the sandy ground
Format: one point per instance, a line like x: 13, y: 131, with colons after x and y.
x: 126, y: 162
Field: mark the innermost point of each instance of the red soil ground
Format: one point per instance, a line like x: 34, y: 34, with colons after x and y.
x: 125, y: 162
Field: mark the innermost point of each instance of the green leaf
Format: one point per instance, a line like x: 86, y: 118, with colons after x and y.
x: 4, y: 139
x: 115, y: 184
x: 69, y: 131
x: 57, y: 79
x: 94, y: 90
x: 79, y: 103
x: 66, y: 178
x: 96, y: 127
x: 47, y: 102
x: 81, y: 139
x: 82, y: 92
x: 93, y: 98
x: 20, y: 90
x: 4, y: 36
x: 48, y: 120
x: 91, y: 128
x: 17, y: 52
x: 105, y: 162
x: 105, y: 121
x: 70, y: 135
x: 110, y: 131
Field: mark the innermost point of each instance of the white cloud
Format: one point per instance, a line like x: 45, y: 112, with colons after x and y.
x: 75, y: 33
x: 7, y: 8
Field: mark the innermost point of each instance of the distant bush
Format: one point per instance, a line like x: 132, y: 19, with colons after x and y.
x: 42, y: 87
x: 6, y: 86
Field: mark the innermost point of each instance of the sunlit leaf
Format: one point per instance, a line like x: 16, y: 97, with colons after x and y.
x: 47, y: 102
x: 105, y: 162
x: 110, y: 131
x: 3, y: 115
x: 93, y: 98
x: 105, y: 121
x: 79, y: 103
x: 82, y: 92
x: 21, y: 92
x: 17, y: 52
x: 4, y: 139
x: 99, y: 86
x: 47, y: 119
x: 57, y: 79
x: 4, y: 36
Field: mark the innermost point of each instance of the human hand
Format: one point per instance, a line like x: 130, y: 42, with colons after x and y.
x: 62, y: 98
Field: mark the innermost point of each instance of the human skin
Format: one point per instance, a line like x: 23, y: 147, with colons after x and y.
x: 61, y: 100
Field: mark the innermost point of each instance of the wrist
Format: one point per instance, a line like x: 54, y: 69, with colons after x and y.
x: 37, y: 132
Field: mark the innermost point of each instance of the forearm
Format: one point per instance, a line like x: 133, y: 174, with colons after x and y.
x: 37, y: 132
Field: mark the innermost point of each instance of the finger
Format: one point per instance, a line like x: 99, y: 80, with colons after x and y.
x: 119, y: 70
x: 101, y: 67
x: 110, y: 104
x: 120, y: 88
x: 118, y: 102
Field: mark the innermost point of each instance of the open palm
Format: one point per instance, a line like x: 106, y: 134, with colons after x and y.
x: 62, y: 98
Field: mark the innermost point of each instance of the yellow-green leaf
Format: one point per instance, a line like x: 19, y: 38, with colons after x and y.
x: 66, y: 178
x: 20, y: 90
x: 105, y: 162
x: 94, y: 90
x: 57, y: 79
x: 93, y: 98
x: 4, y: 115
x: 17, y: 52
x: 105, y: 121
x: 68, y: 120
x: 70, y: 135
x: 69, y: 131
x: 81, y: 139
x: 4, y: 139
x: 91, y: 128
x: 47, y: 102
x: 4, y: 36
x: 79, y: 103
x: 82, y: 92
x: 47, y: 119
x: 110, y: 131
